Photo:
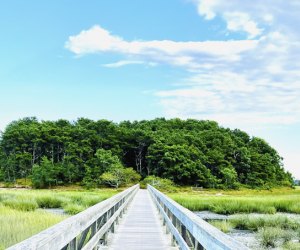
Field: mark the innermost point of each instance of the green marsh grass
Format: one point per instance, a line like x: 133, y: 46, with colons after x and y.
x: 50, y: 201
x: 73, y: 209
x: 16, y: 225
x: 255, y: 222
x: 291, y: 246
x: 29, y: 200
x: 244, y: 201
x: 224, y: 225
x: 21, y: 203
x: 274, y: 236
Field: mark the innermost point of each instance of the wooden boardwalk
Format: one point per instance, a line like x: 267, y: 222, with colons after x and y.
x: 140, y: 228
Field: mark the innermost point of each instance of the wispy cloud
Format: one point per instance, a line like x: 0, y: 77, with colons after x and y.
x: 185, y: 54
x: 126, y: 62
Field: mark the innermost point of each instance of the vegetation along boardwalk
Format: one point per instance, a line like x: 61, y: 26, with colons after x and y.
x: 133, y: 219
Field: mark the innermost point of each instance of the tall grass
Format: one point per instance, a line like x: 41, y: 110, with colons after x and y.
x: 271, y: 230
x: 21, y: 203
x: 255, y: 222
x: 224, y: 225
x: 16, y: 225
x: 71, y: 201
x: 73, y: 209
x: 241, y: 202
x: 273, y: 236
x: 50, y: 201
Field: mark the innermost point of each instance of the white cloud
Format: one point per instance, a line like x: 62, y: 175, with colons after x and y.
x: 240, y: 15
x: 188, y: 54
x: 237, y: 21
x: 206, y: 8
x: 124, y: 63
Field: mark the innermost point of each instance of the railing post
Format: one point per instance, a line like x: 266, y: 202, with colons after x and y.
x: 73, y: 244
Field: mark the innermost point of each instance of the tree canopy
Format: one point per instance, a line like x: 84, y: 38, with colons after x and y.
x: 188, y: 152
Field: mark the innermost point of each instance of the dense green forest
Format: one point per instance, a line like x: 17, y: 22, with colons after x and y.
x: 188, y: 152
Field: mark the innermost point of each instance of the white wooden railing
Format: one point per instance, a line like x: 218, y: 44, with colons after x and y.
x: 86, y: 230
x: 188, y: 230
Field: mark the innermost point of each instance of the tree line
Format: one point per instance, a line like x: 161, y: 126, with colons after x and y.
x: 188, y: 152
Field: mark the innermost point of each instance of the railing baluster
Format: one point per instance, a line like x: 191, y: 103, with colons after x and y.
x: 83, y: 238
x: 73, y: 244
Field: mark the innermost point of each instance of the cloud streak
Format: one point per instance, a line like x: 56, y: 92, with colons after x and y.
x: 187, y: 54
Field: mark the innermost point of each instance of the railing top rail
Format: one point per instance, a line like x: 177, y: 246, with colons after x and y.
x: 63, y: 232
x: 206, y: 234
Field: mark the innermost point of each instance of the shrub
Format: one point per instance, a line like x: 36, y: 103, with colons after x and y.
x: 159, y: 183
x: 224, y: 225
x: 73, y: 209
x: 269, y: 236
x: 120, y: 176
x: 254, y: 222
x: 91, y: 200
x: 49, y: 201
x: 291, y: 246
x: 272, y: 236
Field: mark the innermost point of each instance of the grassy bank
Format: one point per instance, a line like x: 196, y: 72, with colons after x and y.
x: 242, y: 201
x: 21, y: 214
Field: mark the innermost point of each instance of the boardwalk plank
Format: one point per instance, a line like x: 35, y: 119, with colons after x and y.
x: 141, y: 228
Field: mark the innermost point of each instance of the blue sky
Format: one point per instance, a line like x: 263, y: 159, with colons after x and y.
x: 230, y: 61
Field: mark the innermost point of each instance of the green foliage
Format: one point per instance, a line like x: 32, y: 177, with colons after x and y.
x: 46, y: 174
x: 159, y: 183
x: 229, y: 177
x: 188, y: 152
x: 120, y: 176
x: 2, y: 175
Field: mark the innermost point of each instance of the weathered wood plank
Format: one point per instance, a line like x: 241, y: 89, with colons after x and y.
x: 141, y: 228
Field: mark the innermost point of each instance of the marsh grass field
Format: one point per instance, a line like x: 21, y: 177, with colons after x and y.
x: 272, y: 215
x: 22, y: 212
x: 240, y: 201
